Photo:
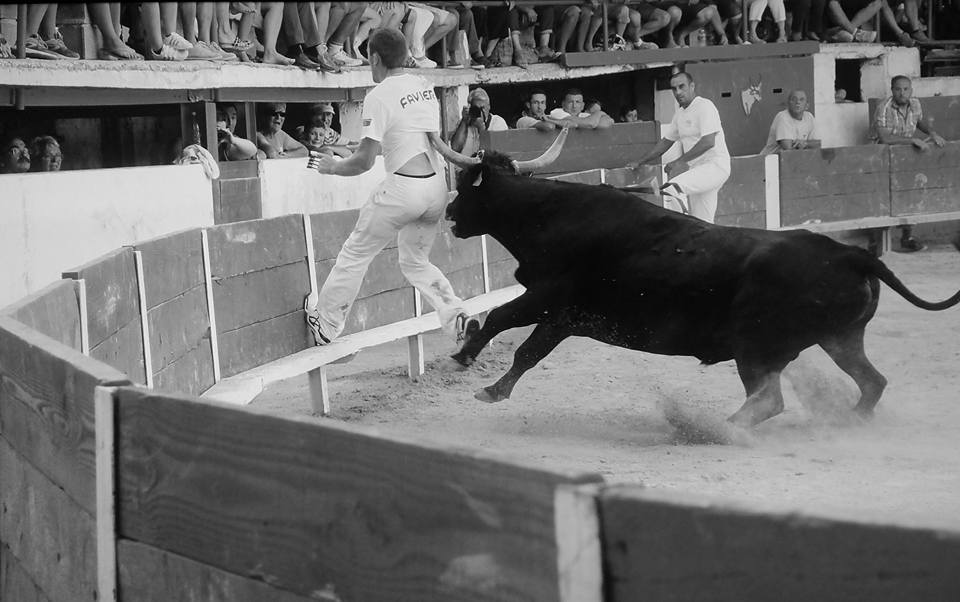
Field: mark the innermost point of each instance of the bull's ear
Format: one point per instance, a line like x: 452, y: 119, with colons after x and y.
x: 479, y: 179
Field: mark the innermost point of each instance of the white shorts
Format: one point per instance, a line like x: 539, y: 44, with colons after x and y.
x: 701, y: 183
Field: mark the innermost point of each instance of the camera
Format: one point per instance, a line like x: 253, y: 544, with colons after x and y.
x: 474, y: 112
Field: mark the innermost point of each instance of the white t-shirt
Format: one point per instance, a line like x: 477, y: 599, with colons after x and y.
x: 691, y: 124
x: 472, y: 143
x: 785, y: 127
x: 398, y: 113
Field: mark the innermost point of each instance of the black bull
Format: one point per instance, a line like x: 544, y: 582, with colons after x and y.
x: 601, y: 263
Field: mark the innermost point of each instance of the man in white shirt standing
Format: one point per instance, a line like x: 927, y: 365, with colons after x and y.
x: 792, y: 128
x: 401, y: 116
x: 695, y: 177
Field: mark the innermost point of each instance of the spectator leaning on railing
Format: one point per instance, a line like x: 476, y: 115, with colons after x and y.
x: 535, y: 113
x: 475, y: 119
x: 271, y: 139
x: 15, y: 158
x: 793, y: 128
x: 45, y: 154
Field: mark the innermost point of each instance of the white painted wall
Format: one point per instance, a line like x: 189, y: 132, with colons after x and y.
x: 287, y: 186
x: 51, y: 222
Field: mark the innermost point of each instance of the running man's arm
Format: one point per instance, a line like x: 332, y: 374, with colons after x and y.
x: 357, y: 163
x: 448, y: 153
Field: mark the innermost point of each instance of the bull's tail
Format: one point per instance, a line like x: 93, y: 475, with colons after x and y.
x: 881, y: 271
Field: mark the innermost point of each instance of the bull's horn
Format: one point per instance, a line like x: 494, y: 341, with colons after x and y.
x: 548, y: 157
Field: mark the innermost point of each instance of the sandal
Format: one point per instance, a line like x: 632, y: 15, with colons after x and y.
x: 126, y: 54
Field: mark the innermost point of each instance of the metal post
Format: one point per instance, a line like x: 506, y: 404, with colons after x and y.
x: 606, y: 27
x: 930, y: 19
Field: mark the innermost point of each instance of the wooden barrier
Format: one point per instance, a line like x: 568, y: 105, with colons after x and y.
x: 329, y: 511
x: 584, y: 149
x: 924, y: 183
x: 177, y: 312
x: 835, y: 184
x: 47, y: 527
x: 667, y: 546
x: 113, y: 311
x: 942, y: 112
x: 237, y: 192
x: 53, y: 311
x: 742, y: 199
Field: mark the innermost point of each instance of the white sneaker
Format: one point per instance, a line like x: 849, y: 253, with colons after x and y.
x: 202, y: 52
x: 312, y: 315
x: 166, y: 53
x: 177, y: 42
x: 672, y: 194
x: 465, y: 327
x: 425, y: 63
x: 341, y: 58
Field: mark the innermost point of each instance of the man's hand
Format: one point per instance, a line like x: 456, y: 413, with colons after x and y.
x: 799, y: 144
x: 676, y: 167
x: 322, y: 162
x: 224, y: 134
x: 919, y: 144
x: 937, y: 139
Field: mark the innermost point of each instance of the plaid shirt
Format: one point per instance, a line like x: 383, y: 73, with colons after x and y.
x: 901, y: 121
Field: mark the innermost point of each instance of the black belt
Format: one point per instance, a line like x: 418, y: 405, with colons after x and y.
x: 406, y: 175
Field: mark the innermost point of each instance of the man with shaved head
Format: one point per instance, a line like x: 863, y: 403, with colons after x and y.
x: 793, y: 128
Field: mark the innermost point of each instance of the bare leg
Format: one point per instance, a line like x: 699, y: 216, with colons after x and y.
x: 272, y: 19
x: 102, y: 16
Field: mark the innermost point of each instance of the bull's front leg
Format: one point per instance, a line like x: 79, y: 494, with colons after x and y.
x: 543, y: 340
x: 525, y: 310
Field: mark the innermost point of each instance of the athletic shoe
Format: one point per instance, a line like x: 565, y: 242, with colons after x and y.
x: 840, y: 36
x: 339, y: 57
x: 862, y: 35
x: 166, y: 53
x: 910, y: 244
x: 617, y: 42
x: 465, y: 327
x: 56, y: 44
x: 641, y: 45
x: 672, y: 192
x: 35, y: 48
x: 453, y: 64
x: 324, y: 62
x: 313, y: 321
x: 222, y: 54
x: 177, y: 42
x: 425, y: 63
x: 5, y: 51
x: 202, y: 52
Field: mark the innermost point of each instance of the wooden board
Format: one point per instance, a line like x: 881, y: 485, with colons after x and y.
x: 263, y: 341
x: 382, y: 275
x: 756, y: 219
x: 450, y: 253
x: 123, y: 350
x: 380, y: 309
x: 303, y: 505
x: 584, y: 149
x: 834, y: 184
x: 665, y: 546
x: 239, y: 200
x: 50, y: 535
x: 191, y: 373
x: 668, y: 56
x: 112, y: 300
x: 53, y: 310
x: 942, y: 112
x: 250, y: 246
x: 745, y: 189
x: 330, y: 230
x: 260, y: 295
x: 502, y: 273
x: 924, y: 183
x: 147, y: 574
x: 178, y: 328
x: 15, y: 583
x: 46, y: 407
x: 172, y: 265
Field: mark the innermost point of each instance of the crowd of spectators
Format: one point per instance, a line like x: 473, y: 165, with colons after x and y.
x: 327, y: 36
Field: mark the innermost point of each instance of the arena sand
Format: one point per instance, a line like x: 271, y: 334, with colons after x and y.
x: 592, y: 407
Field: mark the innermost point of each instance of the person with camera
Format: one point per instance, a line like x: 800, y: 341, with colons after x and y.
x: 231, y: 147
x: 475, y: 121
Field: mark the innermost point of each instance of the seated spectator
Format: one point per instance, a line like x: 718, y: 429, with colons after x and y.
x: 629, y: 115
x: 16, y: 157
x: 633, y: 20
x: 896, y: 121
x: 271, y: 139
x: 417, y: 20
x: 475, y: 119
x: 848, y: 18
x: 575, y: 18
x: 445, y: 25
x: 230, y: 146
x: 755, y: 12
x: 196, y: 19
x: 593, y: 107
x: 692, y: 15
x: 467, y: 19
x: 512, y: 36
x: 337, y: 22
x: 793, y: 128
x: 45, y: 154
x: 535, y: 112
x: 43, y: 38
x: 571, y: 113
x: 305, y: 42
x: 320, y: 135
x: 160, y: 38
x: 807, y: 19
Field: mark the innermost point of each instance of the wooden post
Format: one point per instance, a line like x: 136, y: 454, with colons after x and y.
x: 577, y: 525
x: 144, y: 324
x: 84, y: 326
x: 771, y: 170
x: 319, y: 393
x: 211, y: 313
x: 105, y: 461
x: 210, y: 128
x: 606, y: 28
x: 250, y: 120
x: 415, y: 364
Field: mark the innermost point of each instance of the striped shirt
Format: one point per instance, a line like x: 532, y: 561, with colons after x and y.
x: 900, y: 121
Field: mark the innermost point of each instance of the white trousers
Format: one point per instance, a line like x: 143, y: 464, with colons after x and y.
x: 702, y: 183
x: 408, y: 209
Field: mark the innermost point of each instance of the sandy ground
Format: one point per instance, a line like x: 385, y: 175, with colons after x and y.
x: 597, y: 408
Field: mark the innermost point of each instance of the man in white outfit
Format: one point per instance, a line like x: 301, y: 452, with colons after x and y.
x: 694, y: 178
x: 401, y: 116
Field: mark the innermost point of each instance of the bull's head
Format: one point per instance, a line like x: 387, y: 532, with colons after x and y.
x: 468, y: 204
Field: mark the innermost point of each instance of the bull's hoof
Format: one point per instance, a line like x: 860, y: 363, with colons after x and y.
x: 488, y: 395
x: 463, y: 359
x: 865, y: 414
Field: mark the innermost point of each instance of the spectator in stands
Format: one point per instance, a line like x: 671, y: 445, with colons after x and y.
x: 467, y: 19
x: 271, y: 139
x: 196, y: 19
x: 16, y: 157
x: 416, y: 22
x: 370, y: 19
x: 692, y: 15
x: 807, y: 19
x: 629, y: 115
x: 232, y: 147
x: 43, y: 38
x: 633, y: 20
x: 848, y: 19
x: 45, y: 154
x: 575, y: 18
x: 571, y: 113
x: 106, y: 17
x: 755, y: 12
x: 896, y: 121
x: 320, y: 135
x: 305, y: 43
x: 695, y: 177
x: 337, y: 22
x: 592, y: 107
x: 475, y: 119
x: 160, y: 37
x: 445, y: 26
x: 535, y: 112
x: 793, y: 128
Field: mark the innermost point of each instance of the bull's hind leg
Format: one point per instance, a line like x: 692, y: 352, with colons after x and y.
x: 543, y: 340
x: 525, y: 310
x: 847, y: 351
x: 764, y: 396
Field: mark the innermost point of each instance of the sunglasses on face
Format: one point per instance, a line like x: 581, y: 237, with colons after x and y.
x: 278, y: 114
